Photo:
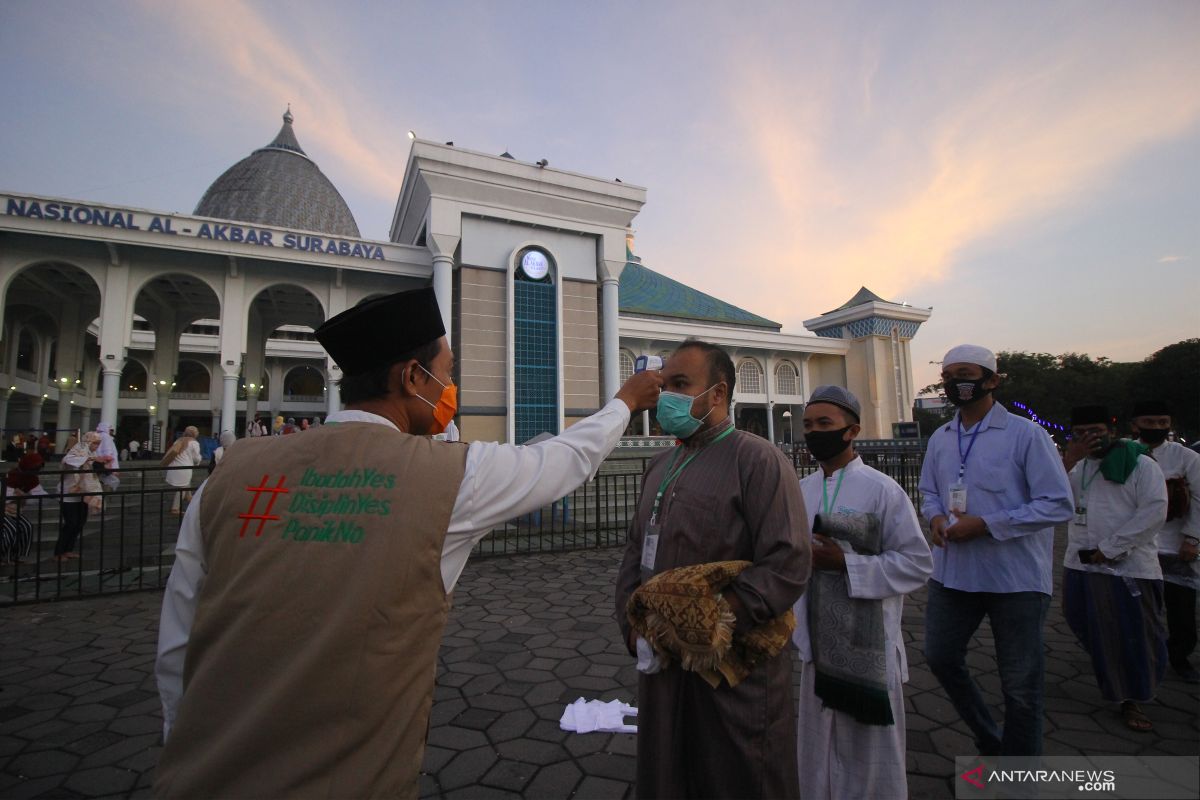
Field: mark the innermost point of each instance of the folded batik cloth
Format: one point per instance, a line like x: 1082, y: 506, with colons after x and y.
x: 683, y: 616
x: 849, y: 647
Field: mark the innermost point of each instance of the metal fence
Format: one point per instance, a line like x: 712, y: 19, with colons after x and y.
x: 129, y: 545
x: 126, y: 545
x: 898, y: 459
x: 596, y: 514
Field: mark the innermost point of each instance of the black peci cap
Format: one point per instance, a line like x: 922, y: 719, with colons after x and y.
x: 1090, y: 415
x: 1151, y: 408
x: 376, y: 333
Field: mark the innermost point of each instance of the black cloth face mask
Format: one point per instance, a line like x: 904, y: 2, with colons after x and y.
x: 1153, y: 436
x: 825, y: 445
x: 960, y: 392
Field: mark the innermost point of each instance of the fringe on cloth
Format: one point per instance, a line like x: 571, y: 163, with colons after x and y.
x: 683, y: 615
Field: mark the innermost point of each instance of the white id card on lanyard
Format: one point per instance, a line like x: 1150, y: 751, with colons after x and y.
x: 958, y: 489
x: 649, y: 550
x: 958, y: 497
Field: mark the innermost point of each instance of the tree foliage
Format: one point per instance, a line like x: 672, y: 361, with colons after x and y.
x: 1050, y: 385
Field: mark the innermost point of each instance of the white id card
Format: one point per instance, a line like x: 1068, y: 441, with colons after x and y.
x: 650, y: 548
x: 1081, y: 516
x: 958, y: 498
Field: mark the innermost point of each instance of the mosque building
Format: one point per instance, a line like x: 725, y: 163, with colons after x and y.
x: 152, y: 321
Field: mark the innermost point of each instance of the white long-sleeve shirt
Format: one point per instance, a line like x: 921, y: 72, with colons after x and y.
x: 500, y: 482
x: 1177, y: 461
x: 903, y: 566
x: 1123, y: 519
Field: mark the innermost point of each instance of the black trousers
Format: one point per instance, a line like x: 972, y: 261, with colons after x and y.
x: 1181, y: 622
x: 73, y: 517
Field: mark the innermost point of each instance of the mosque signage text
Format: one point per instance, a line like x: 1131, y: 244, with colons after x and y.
x: 81, y: 214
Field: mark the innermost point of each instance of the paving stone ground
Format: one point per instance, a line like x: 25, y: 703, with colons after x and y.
x: 79, y: 713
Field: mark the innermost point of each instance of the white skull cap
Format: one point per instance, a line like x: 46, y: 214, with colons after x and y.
x: 971, y: 354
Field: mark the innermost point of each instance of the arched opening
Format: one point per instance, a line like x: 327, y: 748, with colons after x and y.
x: 261, y: 386
x: 625, y: 366
x: 303, y: 382
x: 27, y: 352
x: 134, y: 379
x: 787, y: 379
x: 750, y: 377
x: 181, y: 299
x: 287, y: 304
x: 192, y: 379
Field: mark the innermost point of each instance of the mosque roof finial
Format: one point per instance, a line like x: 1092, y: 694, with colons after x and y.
x: 286, y: 138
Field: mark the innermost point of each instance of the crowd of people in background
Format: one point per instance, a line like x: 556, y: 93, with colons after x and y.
x: 90, y: 466
x: 280, y: 426
x: 993, y: 487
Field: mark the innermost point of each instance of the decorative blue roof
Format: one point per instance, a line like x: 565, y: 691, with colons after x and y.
x: 646, y: 292
x: 861, y: 297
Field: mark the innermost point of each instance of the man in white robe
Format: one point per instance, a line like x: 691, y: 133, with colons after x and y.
x: 1179, y: 537
x: 839, y: 756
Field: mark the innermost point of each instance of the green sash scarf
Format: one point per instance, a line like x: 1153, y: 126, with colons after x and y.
x: 1121, y: 460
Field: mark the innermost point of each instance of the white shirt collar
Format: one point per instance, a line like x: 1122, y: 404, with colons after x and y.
x: 851, y: 465
x: 353, y: 415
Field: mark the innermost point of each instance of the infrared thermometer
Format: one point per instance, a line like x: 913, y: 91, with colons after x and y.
x: 643, y: 363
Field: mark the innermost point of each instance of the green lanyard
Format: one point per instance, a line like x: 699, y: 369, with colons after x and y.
x: 1085, y: 483
x: 673, y: 471
x: 825, y: 501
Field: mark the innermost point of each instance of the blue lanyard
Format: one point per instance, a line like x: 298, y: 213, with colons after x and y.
x: 962, y: 457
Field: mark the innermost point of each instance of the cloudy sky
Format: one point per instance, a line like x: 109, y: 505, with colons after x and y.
x: 1031, y: 170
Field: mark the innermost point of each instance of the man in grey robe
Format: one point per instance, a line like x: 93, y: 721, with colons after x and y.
x: 721, y: 495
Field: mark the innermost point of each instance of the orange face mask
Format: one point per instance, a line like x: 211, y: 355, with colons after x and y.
x: 446, y: 406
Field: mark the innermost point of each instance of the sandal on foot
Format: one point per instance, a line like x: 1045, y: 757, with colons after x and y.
x: 1135, y: 720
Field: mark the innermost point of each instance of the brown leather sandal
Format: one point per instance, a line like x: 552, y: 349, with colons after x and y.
x: 1135, y: 720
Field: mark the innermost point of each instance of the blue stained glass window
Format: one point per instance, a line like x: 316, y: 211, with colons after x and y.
x: 535, y: 356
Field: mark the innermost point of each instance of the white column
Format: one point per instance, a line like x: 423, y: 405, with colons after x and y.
x: 163, y: 414
x: 162, y: 410
x: 85, y: 419
x: 251, y: 403
x: 443, y: 287
x: 35, y: 413
x: 228, y: 404
x: 610, y: 302
x: 333, y: 394
x: 110, y: 392
x: 645, y: 423
x: 64, y: 420
x: 768, y: 376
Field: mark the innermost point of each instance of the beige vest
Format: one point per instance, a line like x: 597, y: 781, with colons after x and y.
x: 311, y: 660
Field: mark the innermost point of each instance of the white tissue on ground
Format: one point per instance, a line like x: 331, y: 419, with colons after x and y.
x: 595, y: 716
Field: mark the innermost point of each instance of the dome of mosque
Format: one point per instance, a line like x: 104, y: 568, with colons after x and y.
x: 279, y: 185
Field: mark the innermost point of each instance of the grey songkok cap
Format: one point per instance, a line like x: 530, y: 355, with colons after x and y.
x: 836, y: 395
